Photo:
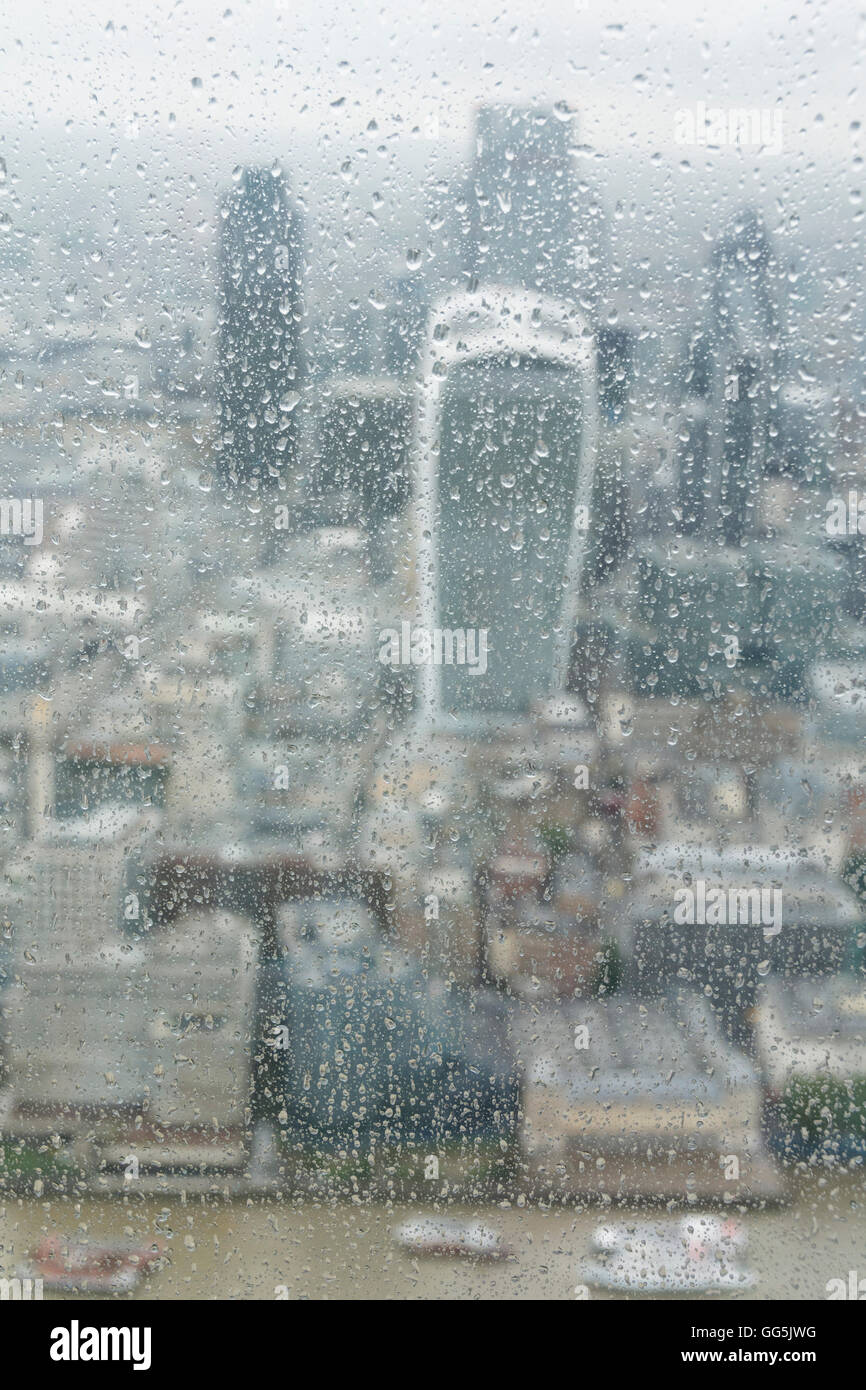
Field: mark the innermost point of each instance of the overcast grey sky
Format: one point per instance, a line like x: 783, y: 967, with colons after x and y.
x: 159, y: 101
x: 285, y: 64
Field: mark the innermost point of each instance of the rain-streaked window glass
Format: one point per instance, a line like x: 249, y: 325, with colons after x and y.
x: 432, y: 651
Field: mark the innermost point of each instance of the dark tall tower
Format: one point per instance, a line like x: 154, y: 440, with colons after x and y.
x: 258, y: 357
x: 732, y: 384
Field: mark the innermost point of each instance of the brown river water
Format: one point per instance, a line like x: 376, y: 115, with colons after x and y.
x: 248, y: 1248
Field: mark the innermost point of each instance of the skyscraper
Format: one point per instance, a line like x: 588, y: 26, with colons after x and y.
x: 529, y: 222
x: 258, y: 357
x: 509, y: 398
x: 732, y: 383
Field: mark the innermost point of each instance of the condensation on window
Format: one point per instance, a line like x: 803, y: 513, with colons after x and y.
x: 432, y: 651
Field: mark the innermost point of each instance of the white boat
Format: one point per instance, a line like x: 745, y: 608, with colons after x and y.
x: 697, y: 1254
x: 439, y: 1235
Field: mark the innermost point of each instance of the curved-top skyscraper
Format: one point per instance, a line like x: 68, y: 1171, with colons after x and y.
x: 504, y: 461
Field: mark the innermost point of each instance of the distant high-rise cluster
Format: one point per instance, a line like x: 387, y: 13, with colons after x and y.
x: 729, y: 601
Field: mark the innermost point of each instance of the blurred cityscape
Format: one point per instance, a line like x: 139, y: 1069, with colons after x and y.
x: 431, y: 751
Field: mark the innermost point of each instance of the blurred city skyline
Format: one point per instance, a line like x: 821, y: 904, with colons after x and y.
x: 134, y: 174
